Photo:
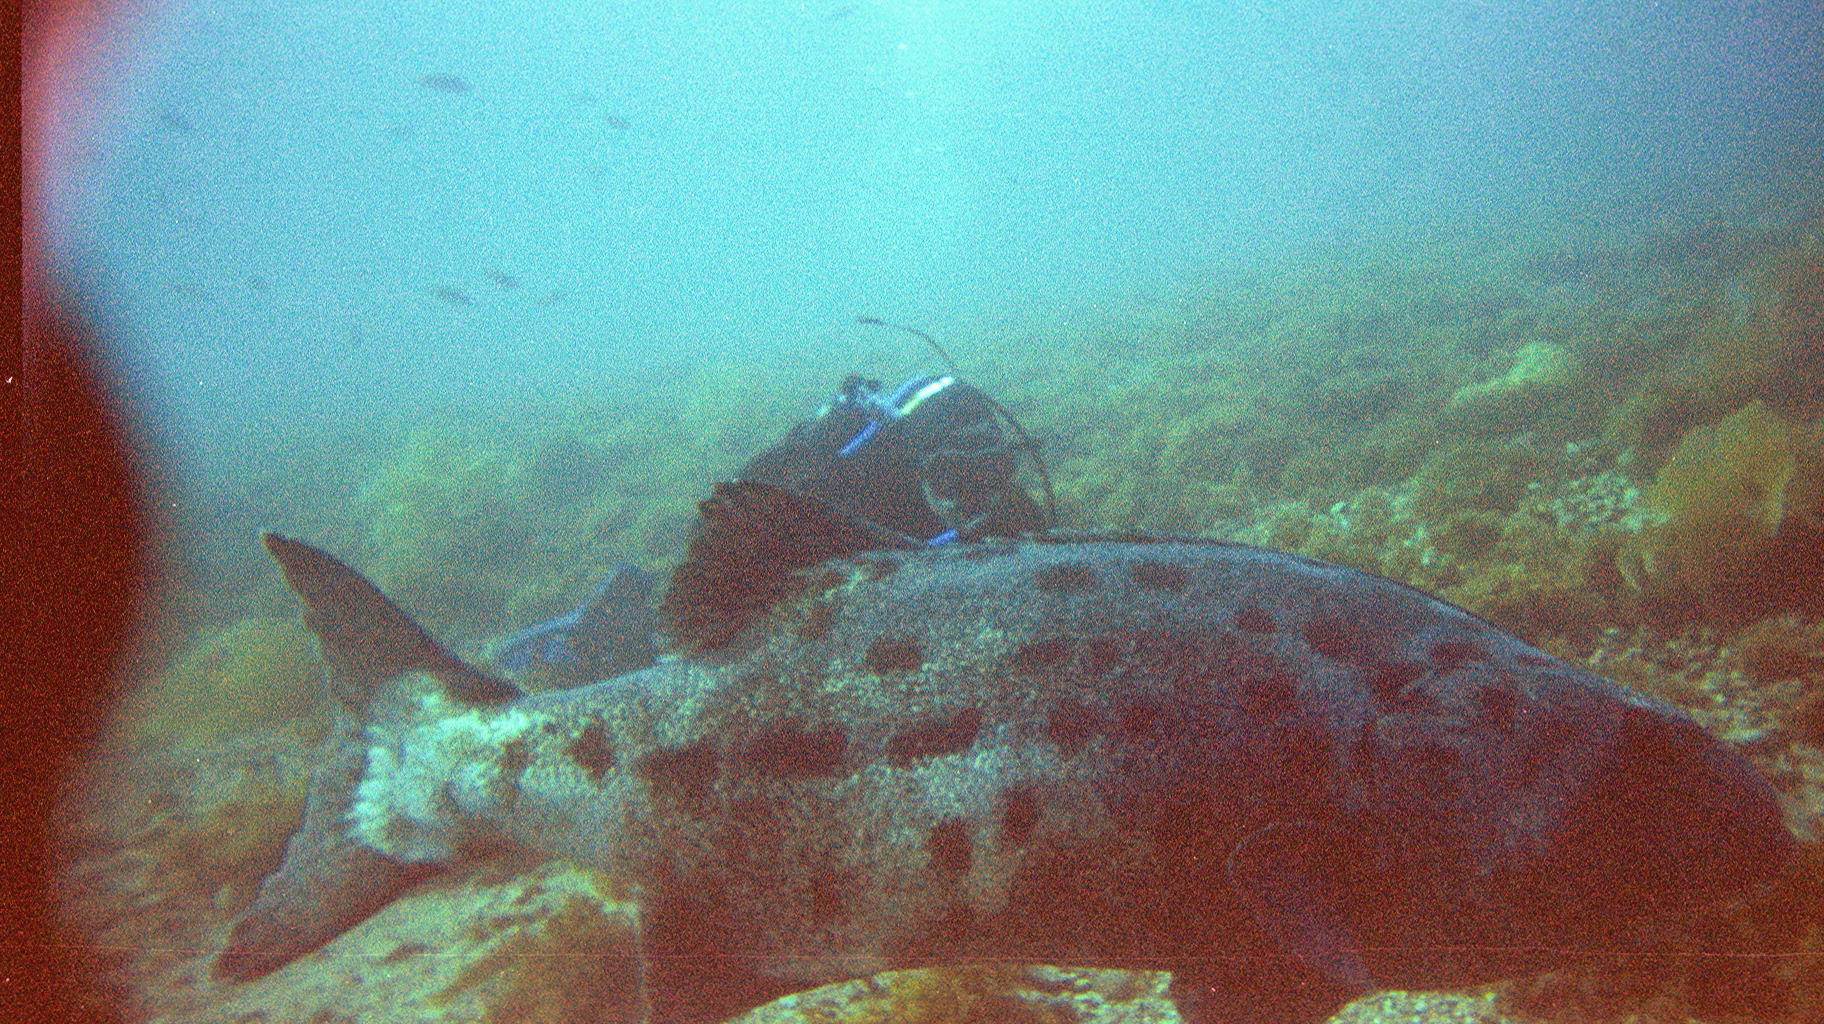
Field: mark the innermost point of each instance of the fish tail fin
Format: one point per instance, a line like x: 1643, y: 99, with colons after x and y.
x: 330, y: 879
x: 328, y: 882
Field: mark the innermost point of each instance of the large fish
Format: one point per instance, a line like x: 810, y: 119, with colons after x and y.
x: 1286, y: 782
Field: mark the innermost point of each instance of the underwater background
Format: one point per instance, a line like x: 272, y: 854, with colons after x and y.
x: 1521, y: 304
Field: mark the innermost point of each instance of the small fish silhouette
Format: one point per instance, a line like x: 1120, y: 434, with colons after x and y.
x: 453, y: 296
x: 452, y: 84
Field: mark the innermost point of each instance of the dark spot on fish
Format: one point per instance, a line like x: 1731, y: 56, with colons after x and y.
x: 825, y: 900
x: 1040, y: 655
x: 1019, y: 814
x: 950, y: 847
x: 755, y: 814
x: 1141, y: 716
x: 935, y: 738
x: 1066, y: 578
x: 789, y: 749
x: 894, y: 654
x: 1545, y: 747
x: 405, y: 950
x: 1271, y: 696
x: 1448, y: 654
x: 592, y: 751
x: 1498, y: 707
x: 1340, y: 640
x: 1252, y: 618
x: 1388, y: 680
x: 1430, y: 768
x: 396, y: 831
x: 1310, y: 761
x: 686, y: 774
x: 1070, y: 724
x: 1103, y: 653
x: 451, y: 84
x: 878, y: 568
x: 936, y: 942
x: 1185, y: 820
x: 515, y: 755
x: 826, y: 580
x: 954, y: 925
x: 815, y: 625
x: 1363, y: 750
x: 758, y: 833
x: 1161, y: 576
x: 758, y: 681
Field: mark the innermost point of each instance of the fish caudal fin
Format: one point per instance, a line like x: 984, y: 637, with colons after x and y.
x: 330, y: 880
x: 327, y: 883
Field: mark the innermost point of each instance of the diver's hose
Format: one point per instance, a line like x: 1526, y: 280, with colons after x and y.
x: 1026, y: 441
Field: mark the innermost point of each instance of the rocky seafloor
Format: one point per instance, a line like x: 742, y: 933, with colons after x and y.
x: 1616, y: 451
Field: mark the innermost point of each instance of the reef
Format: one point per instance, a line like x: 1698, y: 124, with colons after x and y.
x: 1617, y: 452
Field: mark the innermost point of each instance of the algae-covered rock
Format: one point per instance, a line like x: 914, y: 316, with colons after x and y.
x: 1485, y: 476
x: 164, y: 845
x: 1541, y: 581
x: 1537, y: 371
x: 548, y: 945
x: 256, y: 673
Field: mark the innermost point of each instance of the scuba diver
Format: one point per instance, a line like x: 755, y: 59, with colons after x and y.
x: 925, y: 463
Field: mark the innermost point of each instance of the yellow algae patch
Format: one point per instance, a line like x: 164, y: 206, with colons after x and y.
x: 1720, y: 501
x: 1735, y: 471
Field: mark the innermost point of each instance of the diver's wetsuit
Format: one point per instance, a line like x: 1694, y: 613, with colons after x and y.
x: 924, y: 460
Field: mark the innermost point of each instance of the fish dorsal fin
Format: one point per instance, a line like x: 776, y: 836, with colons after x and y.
x: 751, y: 538
x: 366, y: 638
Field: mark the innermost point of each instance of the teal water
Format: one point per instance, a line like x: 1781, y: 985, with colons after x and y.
x: 298, y: 235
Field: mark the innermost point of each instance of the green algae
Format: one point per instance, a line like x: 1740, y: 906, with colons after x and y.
x: 253, y: 674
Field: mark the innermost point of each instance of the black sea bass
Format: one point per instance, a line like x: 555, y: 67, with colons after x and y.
x: 1286, y: 782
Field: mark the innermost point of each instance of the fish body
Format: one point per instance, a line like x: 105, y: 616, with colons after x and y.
x: 1286, y: 782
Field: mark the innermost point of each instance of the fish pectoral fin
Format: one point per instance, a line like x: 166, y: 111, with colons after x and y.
x: 1292, y: 877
